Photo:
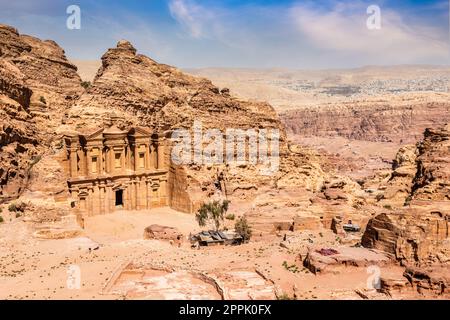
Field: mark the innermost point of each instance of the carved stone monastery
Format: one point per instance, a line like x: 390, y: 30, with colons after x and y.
x: 111, y: 169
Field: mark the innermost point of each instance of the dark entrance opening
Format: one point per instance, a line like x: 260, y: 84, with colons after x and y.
x: 119, y: 198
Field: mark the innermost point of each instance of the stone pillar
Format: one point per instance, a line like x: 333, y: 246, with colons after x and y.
x: 107, y: 160
x: 129, y: 164
x: 161, y: 156
x: 73, y: 162
x: 154, y: 157
x: 122, y: 159
x: 147, y: 157
x: 136, y: 157
x: 136, y: 193
x: 100, y: 161
x: 112, y: 165
x: 89, y: 162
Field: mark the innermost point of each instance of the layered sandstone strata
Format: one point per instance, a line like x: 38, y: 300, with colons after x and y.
x: 37, y: 85
x: 399, y: 122
x: 418, y: 234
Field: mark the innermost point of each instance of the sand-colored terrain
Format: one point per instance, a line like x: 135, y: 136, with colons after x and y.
x: 40, y: 269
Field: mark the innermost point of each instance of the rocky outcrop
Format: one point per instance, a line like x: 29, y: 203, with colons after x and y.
x: 418, y: 234
x: 162, y: 233
x: 399, y: 186
x: 415, y: 237
x: 37, y: 85
x: 323, y: 260
x: 432, y: 180
x: 402, y: 122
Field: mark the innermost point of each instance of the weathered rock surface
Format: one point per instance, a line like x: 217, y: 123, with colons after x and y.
x: 162, y: 233
x: 399, y: 186
x: 432, y: 180
x: 430, y: 281
x: 415, y: 237
x: 402, y: 122
x: 321, y: 260
x: 419, y: 234
x: 37, y: 85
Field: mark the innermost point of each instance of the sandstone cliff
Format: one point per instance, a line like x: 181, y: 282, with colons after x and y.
x: 37, y: 85
x: 389, y: 121
x: 418, y: 234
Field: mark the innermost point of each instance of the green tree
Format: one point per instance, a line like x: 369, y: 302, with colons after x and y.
x: 213, y: 213
x: 243, y: 229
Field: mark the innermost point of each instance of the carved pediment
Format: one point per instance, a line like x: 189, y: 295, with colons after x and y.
x: 140, y: 132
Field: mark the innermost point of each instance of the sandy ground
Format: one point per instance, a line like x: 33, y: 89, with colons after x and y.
x: 39, y: 269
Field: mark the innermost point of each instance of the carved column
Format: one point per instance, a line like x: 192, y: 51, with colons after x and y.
x: 136, y: 157
x: 73, y: 162
x: 129, y: 164
x: 100, y: 161
x: 89, y: 162
x: 160, y: 156
x: 147, y: 157
x: 122, y: 159
x: 154, y: 162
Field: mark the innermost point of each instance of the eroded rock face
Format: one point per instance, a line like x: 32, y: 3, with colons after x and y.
x: 400, y: 122
x: 162, y: 233
x: 418, y: 234
x: 415, y: 237
x: 432, y: 180
x: 399, y: 186
x: 322, y: 260
x: 37, y: 85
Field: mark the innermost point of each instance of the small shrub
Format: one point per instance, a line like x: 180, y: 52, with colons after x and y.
x: 285, y: 296
x: 1, y: 219
x: 408, y: 200
x: 35, y: 160
x: 14, y: 207
x: 379, y: 196
x: 230, y: 216
x: 387, y: 206
x: 243, y: 229
x: 292, y: 268
x: 86, y: 84
x: 18, y: 215
x: 42, y: 99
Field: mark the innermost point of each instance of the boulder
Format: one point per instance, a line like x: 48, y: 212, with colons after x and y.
x: 159, y: 232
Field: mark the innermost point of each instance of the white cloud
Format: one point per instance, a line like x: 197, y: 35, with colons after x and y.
x: 192, y: 16
x: 344, y: 31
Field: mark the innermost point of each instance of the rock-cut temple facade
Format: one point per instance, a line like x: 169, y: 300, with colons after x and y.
x: 111, y: 169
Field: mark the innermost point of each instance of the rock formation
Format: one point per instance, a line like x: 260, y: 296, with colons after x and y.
x: 37, y: 85
x: 418, y: 234
x: 163, y: 98
x: 399, y: 186
x: 402, y: 122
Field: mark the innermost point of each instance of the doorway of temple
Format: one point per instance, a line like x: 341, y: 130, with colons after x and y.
x: 119, y: 198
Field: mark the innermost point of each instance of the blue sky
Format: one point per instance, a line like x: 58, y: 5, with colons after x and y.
x: 254, y: 34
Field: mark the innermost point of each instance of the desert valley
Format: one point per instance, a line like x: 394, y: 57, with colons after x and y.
x: 92, y: 205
